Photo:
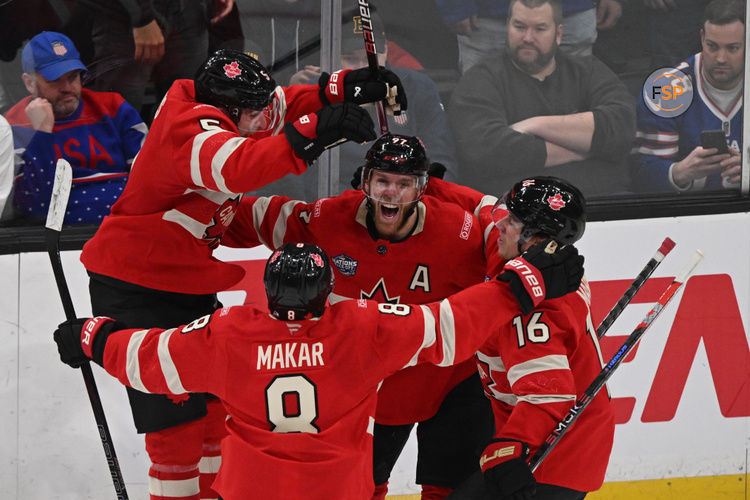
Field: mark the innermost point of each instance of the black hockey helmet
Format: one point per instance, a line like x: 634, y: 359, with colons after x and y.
x: 233, y: 79
x: 298, y: 279
x: 549, y: 206
x: 398, y: 154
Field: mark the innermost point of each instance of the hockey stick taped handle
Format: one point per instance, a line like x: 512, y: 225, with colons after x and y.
x: 666, y: 246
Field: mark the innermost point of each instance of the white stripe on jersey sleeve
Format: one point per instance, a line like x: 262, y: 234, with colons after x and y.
x: 281, y: 99
x: 487, y: 200
x: 191, y: 225
x: 429, y: 335
x: 260, y: 207
x: 132, y: 366
x: 447, y: 333
x: 648, y: 150
x: 168, y: 369
x: 540, y: 399
x: 543, y: 364
x: 220, y: 158
x: 195, y: 155
x: 279, y: 228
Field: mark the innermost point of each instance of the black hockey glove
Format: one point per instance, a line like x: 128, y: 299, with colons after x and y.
x: 83, y: 339
x: 537, y: 275
x: 357, y: 177
x: 362, y: 86
x: 506, y: 471
x: 436, y: 170
x: 313, y: 133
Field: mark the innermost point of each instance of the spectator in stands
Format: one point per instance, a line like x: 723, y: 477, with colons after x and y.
x: 481, y: 26
x: 425, y: 119
x: 669, y: 152
x: 285, y: 35
x: 97, y: 132
x: 149, y: 41
x: 531, y: 110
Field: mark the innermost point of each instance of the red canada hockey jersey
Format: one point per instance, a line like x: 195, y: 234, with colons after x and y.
x: 184, y: 188
x: 301, y: 395
x: 443, y: 255
x: 533, y: 370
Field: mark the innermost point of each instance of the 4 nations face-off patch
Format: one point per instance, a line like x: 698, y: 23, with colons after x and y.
x: 345, y: 264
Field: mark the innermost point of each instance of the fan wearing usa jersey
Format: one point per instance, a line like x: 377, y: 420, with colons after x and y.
x: 535, y: 366
x: 669, y: 153
x: 150, y: 263
x: 389, y: 243
x: 300, y: 385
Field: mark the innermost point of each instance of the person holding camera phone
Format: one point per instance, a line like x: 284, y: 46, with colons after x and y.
x: 700, y: 149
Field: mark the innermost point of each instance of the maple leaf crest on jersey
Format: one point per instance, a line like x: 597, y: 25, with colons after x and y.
x: 223, y: 216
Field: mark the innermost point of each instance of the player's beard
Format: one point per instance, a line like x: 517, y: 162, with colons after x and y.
x: 390, y: 230
x: 535, y: 64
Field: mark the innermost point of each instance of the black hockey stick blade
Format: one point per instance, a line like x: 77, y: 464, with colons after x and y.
x: 591, y: 391
x: 666, y: 246
x: 55, y: 216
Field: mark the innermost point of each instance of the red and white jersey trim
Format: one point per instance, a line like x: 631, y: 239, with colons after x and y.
x: 537, y: 365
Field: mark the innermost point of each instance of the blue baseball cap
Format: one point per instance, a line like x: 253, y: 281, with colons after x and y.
x: 51, y: 55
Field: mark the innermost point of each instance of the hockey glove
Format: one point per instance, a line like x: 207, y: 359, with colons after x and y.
x: 506, y: 471
x: 83, y: 339
x: 436, y: 170
x: 313, y: 133
x: 357, y: 178
x: 362, y: 86
x: 537, y: 275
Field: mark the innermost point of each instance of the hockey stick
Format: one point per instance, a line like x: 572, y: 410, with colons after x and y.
x: 588, y: 395
x: 666, y: 246
x: 372, y: 57
x: 53, y: 226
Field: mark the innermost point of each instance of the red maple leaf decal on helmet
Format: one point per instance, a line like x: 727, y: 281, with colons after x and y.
x: 556, y: 202
x: 232, y: 69
x: 317, y: 259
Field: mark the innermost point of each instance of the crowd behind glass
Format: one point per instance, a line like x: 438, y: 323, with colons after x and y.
x: 479, y: 96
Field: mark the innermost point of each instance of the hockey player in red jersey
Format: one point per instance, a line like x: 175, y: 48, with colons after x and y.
x: 150, y: 263
x: 536, y: 365
x: 300, y: 385
x: 389, y: 243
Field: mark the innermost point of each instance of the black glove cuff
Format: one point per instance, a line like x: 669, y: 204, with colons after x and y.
x: 305, y: 148
x: 518, y: 290
x: 100, y: 341
x: 322, y: 83
x: 436, y: 170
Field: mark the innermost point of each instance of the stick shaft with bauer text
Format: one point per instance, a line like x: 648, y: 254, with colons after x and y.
x: 372, y: 57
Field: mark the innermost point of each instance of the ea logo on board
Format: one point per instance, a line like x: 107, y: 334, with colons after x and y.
x: 668, y: 92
